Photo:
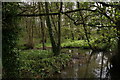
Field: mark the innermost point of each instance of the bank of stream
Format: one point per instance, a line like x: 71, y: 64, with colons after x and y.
x: 85, y: 64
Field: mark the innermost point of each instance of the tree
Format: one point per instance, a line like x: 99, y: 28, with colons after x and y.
x: 42, y: 26
x: 109, y: 12
x: 10, y: 31
x: 50, y: 29
x: 29, y: 29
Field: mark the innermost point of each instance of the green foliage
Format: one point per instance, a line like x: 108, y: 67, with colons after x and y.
x: 41, y: 63
x: 100, y: 43
x: 10, y: 31
x: 40, y: 45
x: 35, y: 54
x: 78, y: 43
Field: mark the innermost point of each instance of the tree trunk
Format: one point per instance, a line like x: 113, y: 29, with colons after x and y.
x: 118, y: 29
x: 29, y: 29
x: 42, y: 28
x: 59, y: 30
x: 115, y: 60
x: 54, y: 46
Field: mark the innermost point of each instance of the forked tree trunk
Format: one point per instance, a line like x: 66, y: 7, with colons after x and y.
x: 54, y: 46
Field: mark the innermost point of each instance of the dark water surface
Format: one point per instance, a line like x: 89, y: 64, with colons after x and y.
x: 84, y: 66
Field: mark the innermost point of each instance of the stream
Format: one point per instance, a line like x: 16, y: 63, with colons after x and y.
x: 83, y: 65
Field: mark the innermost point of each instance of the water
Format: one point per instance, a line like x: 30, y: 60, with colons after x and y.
x: 84, y: 66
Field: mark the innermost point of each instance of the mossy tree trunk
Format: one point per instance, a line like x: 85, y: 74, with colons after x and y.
x: 10, y: 31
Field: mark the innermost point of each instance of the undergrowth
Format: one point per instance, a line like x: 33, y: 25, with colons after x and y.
x: 41, y: 63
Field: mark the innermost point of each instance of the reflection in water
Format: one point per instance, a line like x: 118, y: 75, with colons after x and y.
x: 84, y: 65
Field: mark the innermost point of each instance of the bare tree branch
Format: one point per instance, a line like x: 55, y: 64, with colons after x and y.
x: 109, y: 5
x: 56, y: 13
